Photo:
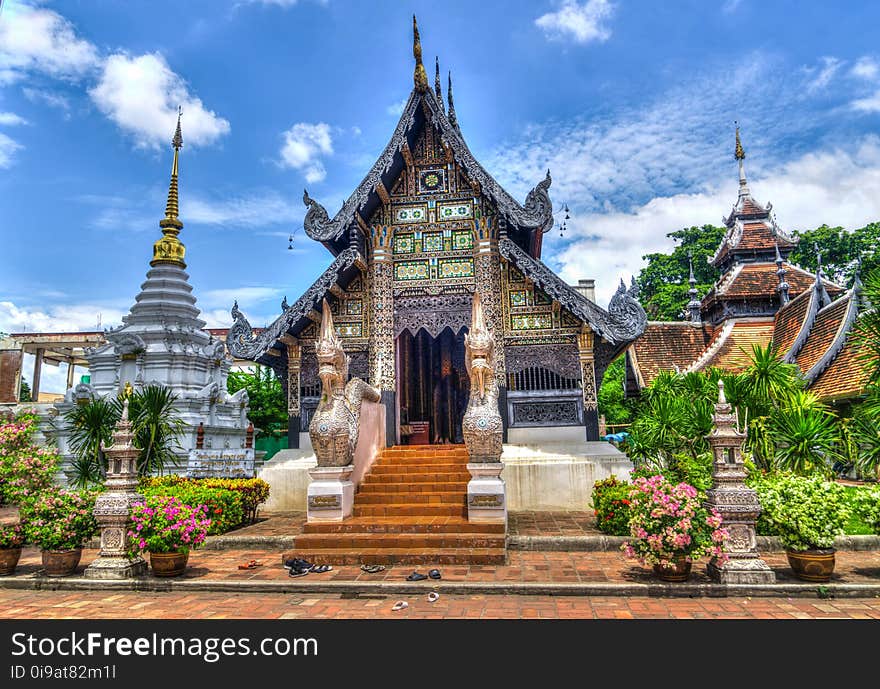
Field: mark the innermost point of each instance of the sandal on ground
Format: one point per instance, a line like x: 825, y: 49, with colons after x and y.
x: 416, y: 576
x: 372, y: 569
x: 250, y: 564
x: 433, y: 596
x: 320, y: 569
x: 434, y: 574
x: 399, y: 605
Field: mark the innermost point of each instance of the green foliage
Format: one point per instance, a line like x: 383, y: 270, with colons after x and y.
x: 610, y: 501
x: 252, y: 491
x: 224, y: 507
x: 867, y: 328
x: 24, y: 392
x: 267, y: 407
x: 612, y: 402
x: 805, y: 512
x: 59, y: 519
x: 866, y: 505
x: 154, y: 421
x: 663, y: 282
x: 840, y: 250
x: 25, y: 468
x: 804, y: 434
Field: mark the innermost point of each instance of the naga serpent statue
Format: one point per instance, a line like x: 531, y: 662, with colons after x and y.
x: 335, y: 424
x: 481, y: 424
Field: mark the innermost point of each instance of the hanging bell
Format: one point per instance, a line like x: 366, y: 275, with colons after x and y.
x: 290, y: 242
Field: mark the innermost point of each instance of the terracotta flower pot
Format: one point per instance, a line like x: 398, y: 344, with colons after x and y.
x: 812, y: 565
x: 680, y: 571
x: 61, y: 563
x: 168, y: 564
x: 8, y: 560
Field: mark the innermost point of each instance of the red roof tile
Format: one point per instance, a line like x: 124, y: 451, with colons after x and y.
x: 822, y: 334
x: 663, y: 346
x: 790, y: 320
x: 733, y: 348
x: 846, y: 377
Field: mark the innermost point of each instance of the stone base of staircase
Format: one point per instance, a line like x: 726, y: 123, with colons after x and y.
x: 410, y: 509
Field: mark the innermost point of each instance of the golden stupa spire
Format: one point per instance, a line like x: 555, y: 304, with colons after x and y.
x: 420, y: 77
x: 169, y: 249
x: 739, y: 153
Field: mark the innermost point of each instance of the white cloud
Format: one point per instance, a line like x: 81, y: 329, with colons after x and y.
x: 582, y: 22
x: 141, y: 94
x: 246, y: 295
x: 304, y: 145
x: 38, y: 39
x: 869, y: 104
x: 819, y: 77
x: 396, y: 109
x: 8, y: 147
x: 258, y: 209
x: 837, y: 186
x: 866, y: 68
x: 53, y: 100
x: 57, y: 318
x: 10, y: 119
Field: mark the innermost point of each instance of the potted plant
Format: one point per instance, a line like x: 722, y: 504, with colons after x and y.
x: 59, y: 522
x: 670, y: 529
x: 11, y: 538
x: 807, y: 513
x: 168, y: 529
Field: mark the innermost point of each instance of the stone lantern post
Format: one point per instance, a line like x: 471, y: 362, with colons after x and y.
x: 737, y: 503
x: 113, y: 507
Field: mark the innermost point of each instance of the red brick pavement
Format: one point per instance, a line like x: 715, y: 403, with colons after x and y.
x: 853, y: 567
x: 131, y: 605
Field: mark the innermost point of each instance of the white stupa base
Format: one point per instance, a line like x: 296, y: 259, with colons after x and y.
x: 330, y: 496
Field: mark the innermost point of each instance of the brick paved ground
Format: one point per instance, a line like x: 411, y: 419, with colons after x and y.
x: 129, y: 605
x: 853, y: 567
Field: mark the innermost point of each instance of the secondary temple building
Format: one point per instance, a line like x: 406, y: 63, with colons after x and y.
x: 760, y: 298
x: 426, y: 230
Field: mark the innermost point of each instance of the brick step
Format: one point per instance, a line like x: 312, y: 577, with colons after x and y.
x: 412, y: 478
x: 419, y: 487
x: 421, y: 459
x: 449, y: 497
x: 402, y: 449
x: 410, y: 510
x: 422, y: 468
x: 359, y: 542
x: 403, y: 525
x: 399, y: 556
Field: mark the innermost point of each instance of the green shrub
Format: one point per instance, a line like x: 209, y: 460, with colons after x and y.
x: 805, y: 512
x: 866, y: 505
x: 253, y: 491
x: 59, y: 519
x: 611, y: 506
x: 224, y: 507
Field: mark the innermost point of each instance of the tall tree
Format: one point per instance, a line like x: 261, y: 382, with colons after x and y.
x: 841, y: 250
x: 663, y: 282
x: 267, y: 408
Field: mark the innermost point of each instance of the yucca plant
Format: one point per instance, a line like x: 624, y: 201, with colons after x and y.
x: 766, y: 380
x: 156, y: 427
x: 805, y: 439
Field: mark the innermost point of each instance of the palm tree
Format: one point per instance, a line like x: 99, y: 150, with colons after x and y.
x: 156, y: 427
x: 805, y: 438
x: 767, y: 379
x: 91, y: 425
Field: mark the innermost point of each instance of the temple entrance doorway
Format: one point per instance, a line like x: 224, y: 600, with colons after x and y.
x: 432, y: 386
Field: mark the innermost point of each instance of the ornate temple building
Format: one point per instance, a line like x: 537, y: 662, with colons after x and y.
x: 163, y: 341
x: 426, y: 230
x: 760, y: 298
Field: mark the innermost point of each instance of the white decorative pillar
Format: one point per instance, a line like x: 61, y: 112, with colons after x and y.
x: 113, y: 508
x: 330, y: 494
x: 737, y: 503
x: 381, y: 353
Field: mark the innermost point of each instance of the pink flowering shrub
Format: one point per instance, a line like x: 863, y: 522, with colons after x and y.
x: 11, y: 536
x: 668, y: 521
x: 25, y: 468
x: 164, y: 524
x: 59, y: 519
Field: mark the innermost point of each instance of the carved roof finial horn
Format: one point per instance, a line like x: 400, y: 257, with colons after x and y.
x: 739, y: 154
x: 453, y: 120
x: 478, y: 319
x: 437, y: 90
x: 420, y: 77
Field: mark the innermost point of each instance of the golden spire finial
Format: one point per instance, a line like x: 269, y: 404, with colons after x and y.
x: 169, y: 249
x: 437, y: 90
x: 420, y: 77
x: 739, y: 153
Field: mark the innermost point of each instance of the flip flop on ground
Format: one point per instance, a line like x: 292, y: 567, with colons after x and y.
x: 399, y: 605
x: 434, y: 574
x: 372, y: 569
x: 416, y: 576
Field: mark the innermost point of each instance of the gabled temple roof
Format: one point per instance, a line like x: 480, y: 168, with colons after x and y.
x: 668, y: 345
x: 732, y: 346
x: 524, y: 222
x: 760, y: 280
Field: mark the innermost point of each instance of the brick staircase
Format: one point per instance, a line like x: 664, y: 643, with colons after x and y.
x: 409, y: 509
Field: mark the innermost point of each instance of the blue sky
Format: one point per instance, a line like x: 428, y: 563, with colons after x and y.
x: 630, y: 104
